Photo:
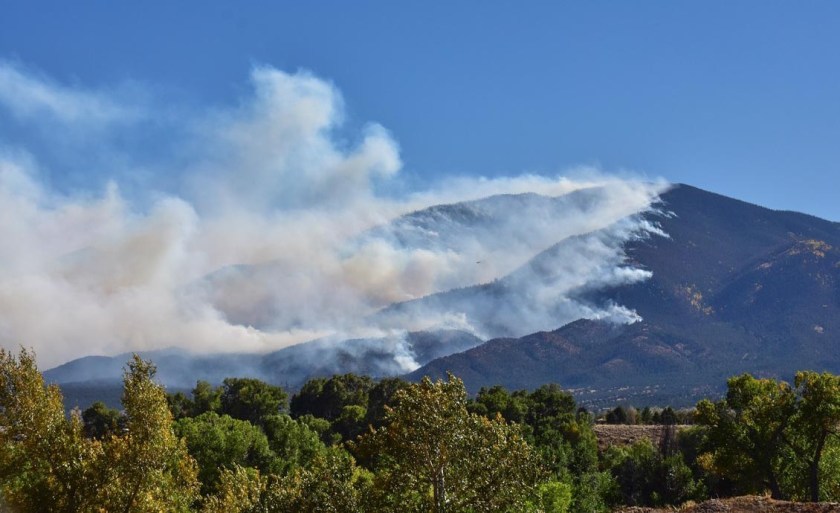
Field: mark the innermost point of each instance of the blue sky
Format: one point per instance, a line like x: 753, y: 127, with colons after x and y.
x: 742, y: 98
x: 249, y: 148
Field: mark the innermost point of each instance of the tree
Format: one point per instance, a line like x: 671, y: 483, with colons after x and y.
x: 551, y: 497
x: 240, y: 490
x: 101, y: 421
x: 219, y: 442
x: 206, y: 398
x: 816, y: 422
x: 46, y: 463
x: 251, y: 399
x: 668, y: 416
x: 433, y: 455
x: 497, y: 400
x: 381, y: 396
x: 746, y: 432
x: 332, y: 483
x: 351, y: 423
x: 180, y: 405
x: 294, y: 443
x: 149, y: 468
x: 618, y: 415
x: 647, y: 477
x: 327, y: 398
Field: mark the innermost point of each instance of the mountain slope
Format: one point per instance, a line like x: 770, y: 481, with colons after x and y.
x: 99, y: 377
x: 734, y: 288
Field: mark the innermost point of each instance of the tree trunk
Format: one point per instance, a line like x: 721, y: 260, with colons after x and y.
x: 439, y: 488
x: 814, y: 469
x: 775, y: 489
x: 814, y: 480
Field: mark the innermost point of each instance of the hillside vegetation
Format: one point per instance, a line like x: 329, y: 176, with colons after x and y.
x: 350, y: 443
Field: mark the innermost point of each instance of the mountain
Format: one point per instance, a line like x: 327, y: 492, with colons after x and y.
x: 702, y: 286
x: 734, y: 288
x: 91, y: 378
x: 377, y: 357
x: 498, y: 233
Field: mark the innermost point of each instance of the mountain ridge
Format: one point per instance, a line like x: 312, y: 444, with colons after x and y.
x: 699, y: 324
x: 733, y: 287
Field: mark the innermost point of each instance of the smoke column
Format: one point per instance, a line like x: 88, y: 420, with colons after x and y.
x: 132, y: 224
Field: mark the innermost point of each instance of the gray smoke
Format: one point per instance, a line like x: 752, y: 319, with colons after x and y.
x: 256, y: 226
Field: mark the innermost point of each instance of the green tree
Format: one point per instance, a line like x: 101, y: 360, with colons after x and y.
x: 746, y: 432
x: 180, y: 405
x: 433, y: 455
x: 497, y: 400
x: 551, y: 497
x: 148, y: 468
x: 322, y: 427
x: 332, y: 483
x: 294, y: 442
x: 647, y: 477
x: 46, y: 463
x: 815, y: 424
x: 668, y: 416
x: 251, y: 399
x: 205, y: 397
x: 219, y: 442
x: 327, y: 398
x: 101, y: 421
x: 240, y: 490
x: 618, y: 415
x: 381, y: 396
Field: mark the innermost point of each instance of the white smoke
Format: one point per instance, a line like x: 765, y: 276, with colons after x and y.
x: 263, y: 229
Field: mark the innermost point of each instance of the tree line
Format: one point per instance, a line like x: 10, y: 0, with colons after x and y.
x: 350, y: 443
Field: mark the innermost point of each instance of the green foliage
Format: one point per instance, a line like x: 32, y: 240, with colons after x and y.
x: 332, y: 483
x: 205, y: 397
x: 240, y: 490
x: 668, y: 417
x: 497, y: 400
x: 219, y: 442
x: 251, y: 399
x: 551, y: 497
x: 351, y: 423
x: 422, y: 447
x: 46, y: 464
x: 327, y: 398
x: 342, y: 400
x: 746, y: 432
x: 101, y: 421
x: 646, y: 477
x: 433, y: 455
x: 322, y: 427
x: 564, y: 440
x: 293, y: 441
x: 149, y: 468
x: 618, y: 415
x: 590, y: 491
x: 180, y: 405
x: 814, y: 426
x: 769, y: 435
x: 379, y: 398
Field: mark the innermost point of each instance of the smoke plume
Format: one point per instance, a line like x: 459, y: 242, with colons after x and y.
x: 131, y: 224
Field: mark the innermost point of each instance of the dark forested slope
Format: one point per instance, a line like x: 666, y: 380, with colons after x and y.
x: 735, y: 288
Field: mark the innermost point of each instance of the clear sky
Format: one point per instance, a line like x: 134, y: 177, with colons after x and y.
x: 741, y: 98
